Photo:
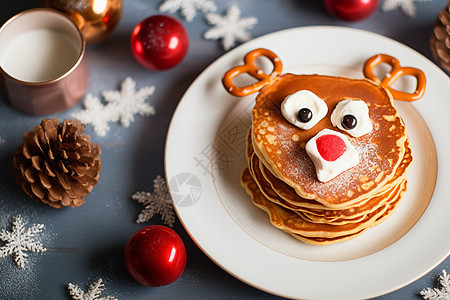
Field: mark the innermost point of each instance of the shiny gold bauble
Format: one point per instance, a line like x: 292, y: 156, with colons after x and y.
x: 95, y: 18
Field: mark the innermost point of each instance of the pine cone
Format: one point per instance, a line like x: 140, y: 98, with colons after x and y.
x: 56, y: 164
x: 440, y: 38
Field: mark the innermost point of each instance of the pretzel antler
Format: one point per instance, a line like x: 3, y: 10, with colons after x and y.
x: 396, y: 72
x: 250, y: 68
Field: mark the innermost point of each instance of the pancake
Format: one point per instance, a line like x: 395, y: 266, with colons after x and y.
x: 281, y: 146
x: 328, y: 241
x: 289, y: 194
x: 282, y: 194
x: 344, y: 216
x: 319, y: 222
x: 290, y: 222
x: 323, y: 215
x: 327, y: 155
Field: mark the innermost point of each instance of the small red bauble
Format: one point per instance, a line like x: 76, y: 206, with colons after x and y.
x: 159, y: 42
x: 155, y: 256
x: 351, y: 10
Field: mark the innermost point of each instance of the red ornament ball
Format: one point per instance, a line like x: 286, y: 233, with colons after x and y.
x: 159, y: 42
x: 351, y: 10
x: 155, y: 256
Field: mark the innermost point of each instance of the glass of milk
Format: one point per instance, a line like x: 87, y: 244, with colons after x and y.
x: 43, y: 69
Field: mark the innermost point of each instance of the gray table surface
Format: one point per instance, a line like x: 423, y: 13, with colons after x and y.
x: 86, y: 243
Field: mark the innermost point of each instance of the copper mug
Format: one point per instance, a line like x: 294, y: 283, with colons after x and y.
x: 43, y: 67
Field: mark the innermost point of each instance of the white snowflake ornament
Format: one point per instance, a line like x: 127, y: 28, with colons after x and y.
x: 120, y: 106
x: 20, y: 240
x: 407, y: 6
x: 441, y: 293
x: 93, y: 293
x: 158, y: 202
x: 129, y: 102
x: 231, y: 28
x: 188, y: 8
x: 96, y: 114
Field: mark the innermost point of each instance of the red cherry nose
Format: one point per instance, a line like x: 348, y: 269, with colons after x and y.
x: 330, y: 147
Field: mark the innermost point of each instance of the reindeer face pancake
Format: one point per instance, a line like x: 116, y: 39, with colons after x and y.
x: 327, y: 156
x: 282, y: 145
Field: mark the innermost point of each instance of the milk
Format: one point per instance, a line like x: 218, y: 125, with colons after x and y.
x: 39, y: 55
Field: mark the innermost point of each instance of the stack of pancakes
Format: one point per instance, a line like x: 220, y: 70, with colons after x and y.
x: 280, y: 176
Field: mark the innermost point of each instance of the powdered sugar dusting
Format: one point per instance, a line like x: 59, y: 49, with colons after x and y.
x: 374, y: 166
x: 340, y: 185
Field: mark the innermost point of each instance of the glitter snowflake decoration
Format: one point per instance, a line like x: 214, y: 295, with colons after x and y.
x: 120, y: 106
x: 96, y: 114
x: 158, y: 202
x: 93, y: 293
x: 20, y: 240
x: 188, y: 8
x: 231, y: 28
x: 441, y: 293
x: 407, y: 6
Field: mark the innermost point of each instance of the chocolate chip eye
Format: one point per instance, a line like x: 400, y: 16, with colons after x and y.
x: 349, y: 122
x: 304, y: 115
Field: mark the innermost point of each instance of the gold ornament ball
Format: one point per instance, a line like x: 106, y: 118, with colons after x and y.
x: 95, y: 18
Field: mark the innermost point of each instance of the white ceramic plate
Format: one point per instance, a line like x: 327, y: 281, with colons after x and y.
x: 205, y: 155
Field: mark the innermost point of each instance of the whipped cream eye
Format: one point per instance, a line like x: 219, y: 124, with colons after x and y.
x: 304, y: 109
x: 352, y: 116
